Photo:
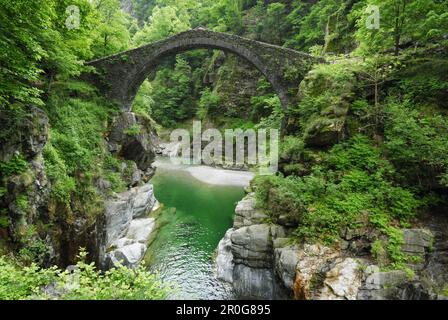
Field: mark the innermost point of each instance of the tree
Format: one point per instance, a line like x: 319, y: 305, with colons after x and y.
x: 374, y: 71
x: 34, y: 41
x: 402, y: 22
x: 323, y: 24
x: 172, y: 94
x: 164, y: 22
x: 111, y: 35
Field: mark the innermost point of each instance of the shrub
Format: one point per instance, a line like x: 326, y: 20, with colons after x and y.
x: 134, y: 130
x: 418, y: 145
x: 16, y: 165
x: 62, y: 184
x: 352, y: 183
x: 4, y: 218
x: 85, y: 283
x: 291, y: 148
x: 208, y: 104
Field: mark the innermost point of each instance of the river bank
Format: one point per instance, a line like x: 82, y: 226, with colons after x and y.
x: 198, y: 207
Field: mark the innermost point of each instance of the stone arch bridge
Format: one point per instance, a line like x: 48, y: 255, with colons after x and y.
x: 120, y: 76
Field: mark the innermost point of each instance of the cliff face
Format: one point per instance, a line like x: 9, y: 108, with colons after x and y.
x: 263, y: 261
x: 246, y: 254
x: 41, y: 229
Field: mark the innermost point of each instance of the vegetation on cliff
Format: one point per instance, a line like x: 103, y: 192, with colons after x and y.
x: 84, y: 282
x: 366, y: 145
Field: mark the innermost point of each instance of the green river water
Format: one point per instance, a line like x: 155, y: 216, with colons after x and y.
x: 194, y: 219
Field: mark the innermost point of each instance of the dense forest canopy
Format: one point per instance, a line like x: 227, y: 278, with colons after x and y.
x: 367, y: 142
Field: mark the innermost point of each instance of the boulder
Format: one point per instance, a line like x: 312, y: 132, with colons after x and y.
x: 246, y: 214
x: 224, y: 258
x: 140, y: 229
x: 343, y: 281
x: 324, y: 132
x: 131, y: 173
x: 252, y: 246
x: 130, y: 249
x: 129, y: 255
x: 286, y: 260
x: 417, y: 241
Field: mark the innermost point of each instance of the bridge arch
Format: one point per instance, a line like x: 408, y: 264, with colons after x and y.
x: 120, y: 76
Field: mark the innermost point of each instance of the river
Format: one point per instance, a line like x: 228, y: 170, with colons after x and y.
x: 198, y: 208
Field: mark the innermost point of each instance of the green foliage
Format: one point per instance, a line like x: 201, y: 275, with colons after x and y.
x: 75, y: 155
x: 22, y: 202
x: 172, y: 91
x: 379, y: 253
x: 134, y: 130
x: 31, y: 248
x: 34, y: 40
x: 209, y: 104
x: 111, y: 34
x: 325, y: 92
x: 325, y: 23
x: 353, y: 183
x: 164, y: 22
x: 85, y: 283
x: 14, y: 166
x: 401, y: 22
x: 291, y: 148
x: 270, y: 24
x: 269, y: 104
x: 4, y: 219
x: 62, y: 184
x: 417, y: 143
x: 3, y: 191
x: 143, y: 102
x: 18, y: 282
x: 425, y: 81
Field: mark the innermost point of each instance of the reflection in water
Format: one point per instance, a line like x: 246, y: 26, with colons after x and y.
x: 196, y: 216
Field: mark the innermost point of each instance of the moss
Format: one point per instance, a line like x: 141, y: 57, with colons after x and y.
x: 133, y: 131
x: 22, y: 202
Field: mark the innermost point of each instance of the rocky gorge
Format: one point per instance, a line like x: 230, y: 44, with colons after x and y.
x: 262, y: 261
x: 258, y: 256
x: 119, y: 232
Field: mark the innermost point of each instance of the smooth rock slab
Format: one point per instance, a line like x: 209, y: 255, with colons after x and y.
x: 144, y: 200
x: 224, y: 258
x: 286, y: 260
x: 125, y: 207
x: 140, y: 229
x: 129, y: 256
x: 253, y: 282
x: 118, y: 214
x: 246, y: 214
x: 416, y: 241
x: 252, y: 246
x: 379, y: 280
